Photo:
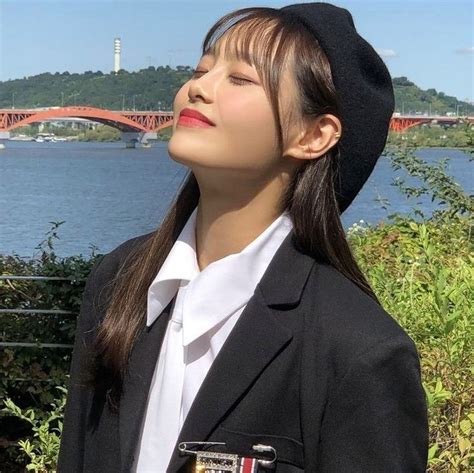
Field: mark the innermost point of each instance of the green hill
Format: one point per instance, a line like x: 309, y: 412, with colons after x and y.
x: 148, y: 89
x: 409, y: 98
x: 154, y: 88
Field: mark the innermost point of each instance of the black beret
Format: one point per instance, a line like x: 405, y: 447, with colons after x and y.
x: 364, y: 87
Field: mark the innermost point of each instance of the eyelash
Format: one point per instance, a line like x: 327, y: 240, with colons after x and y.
x: 234, y: 79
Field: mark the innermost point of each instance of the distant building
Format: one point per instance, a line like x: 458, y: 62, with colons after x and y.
x: 117, y: 54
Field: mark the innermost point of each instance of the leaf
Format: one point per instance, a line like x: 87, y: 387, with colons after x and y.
x: 464, y: 444
x: 432, y: 451
x: 465, y: 426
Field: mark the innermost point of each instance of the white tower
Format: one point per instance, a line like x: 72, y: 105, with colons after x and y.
x: 117, y: 54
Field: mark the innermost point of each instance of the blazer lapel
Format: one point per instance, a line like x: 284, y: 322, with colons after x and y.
x: 254, y: 341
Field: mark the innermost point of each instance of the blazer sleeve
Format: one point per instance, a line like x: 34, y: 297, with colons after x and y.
x: 377, y: 418
x: 78, y: 400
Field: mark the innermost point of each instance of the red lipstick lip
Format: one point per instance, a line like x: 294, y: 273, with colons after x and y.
x: 188, y: 112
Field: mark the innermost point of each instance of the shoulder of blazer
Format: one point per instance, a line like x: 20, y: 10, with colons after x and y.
x: 115, y: 257
x: 108, y: 264
x: 346, y: 319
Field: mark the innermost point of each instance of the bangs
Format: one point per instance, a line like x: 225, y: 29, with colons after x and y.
x: 255, y: 40
x: 249, y: 41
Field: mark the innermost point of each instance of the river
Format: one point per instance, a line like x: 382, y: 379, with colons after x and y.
x: 107, y: 194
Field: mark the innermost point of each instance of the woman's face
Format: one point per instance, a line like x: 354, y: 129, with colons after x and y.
x: 244, y: 138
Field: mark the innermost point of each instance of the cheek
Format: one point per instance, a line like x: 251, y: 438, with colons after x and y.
x: 245, y: 110
x: 247, y: 122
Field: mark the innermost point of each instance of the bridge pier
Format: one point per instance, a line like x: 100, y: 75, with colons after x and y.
x: 151, y: 135
x: 131, y: 138
x: 4, y: 136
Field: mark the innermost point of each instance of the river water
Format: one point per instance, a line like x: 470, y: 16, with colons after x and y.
x: 107, y: 194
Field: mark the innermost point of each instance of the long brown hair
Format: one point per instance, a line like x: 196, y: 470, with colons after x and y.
x: 278, y: 40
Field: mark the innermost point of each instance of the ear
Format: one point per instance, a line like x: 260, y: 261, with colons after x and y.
x: 318, y: 136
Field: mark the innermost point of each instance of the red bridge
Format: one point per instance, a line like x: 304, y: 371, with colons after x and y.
x: 140, y: 126
x: 135, y: 126
x: 404, y: 122
x: 124, y: 121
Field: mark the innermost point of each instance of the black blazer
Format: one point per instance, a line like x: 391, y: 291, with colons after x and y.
x: 314, y: 367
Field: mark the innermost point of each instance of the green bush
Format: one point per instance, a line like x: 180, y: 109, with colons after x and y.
x: 29, y: 375
x: 423, y: 275
x: 42, y: 450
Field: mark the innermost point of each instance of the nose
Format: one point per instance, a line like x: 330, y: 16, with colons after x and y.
x: 200, y: 88
x: 195, y: 92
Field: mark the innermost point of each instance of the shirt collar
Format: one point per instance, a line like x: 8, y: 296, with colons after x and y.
x: 222, y: 287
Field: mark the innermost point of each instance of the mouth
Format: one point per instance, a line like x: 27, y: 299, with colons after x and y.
x: 193, y: 118
x: 193, y: 122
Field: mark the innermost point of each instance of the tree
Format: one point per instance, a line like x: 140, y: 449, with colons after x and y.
x: 401, y: 81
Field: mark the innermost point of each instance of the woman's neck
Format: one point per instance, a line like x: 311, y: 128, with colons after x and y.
x: 223, y: 230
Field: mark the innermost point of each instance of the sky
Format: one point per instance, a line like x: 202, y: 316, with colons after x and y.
x: 429, y: 42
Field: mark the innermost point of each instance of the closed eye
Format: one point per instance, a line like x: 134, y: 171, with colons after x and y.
x: 234, y: 79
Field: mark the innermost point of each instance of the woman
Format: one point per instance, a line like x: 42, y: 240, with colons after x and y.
x: 244, y: 318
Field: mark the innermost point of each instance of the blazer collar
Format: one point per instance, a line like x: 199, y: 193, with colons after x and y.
x: 240, y: 360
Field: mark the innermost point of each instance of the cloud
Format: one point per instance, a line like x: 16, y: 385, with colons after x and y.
x: 468, y: 50
x: 386, y: 52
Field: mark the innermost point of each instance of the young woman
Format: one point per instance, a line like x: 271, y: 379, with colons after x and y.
x: 244, y: 318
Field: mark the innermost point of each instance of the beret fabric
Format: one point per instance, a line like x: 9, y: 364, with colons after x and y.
x: 364, y: 87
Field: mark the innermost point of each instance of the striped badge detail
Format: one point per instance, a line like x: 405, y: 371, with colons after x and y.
x: 248, y: 465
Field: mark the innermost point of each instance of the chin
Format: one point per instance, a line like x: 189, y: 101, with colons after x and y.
x: 184, y: 152
x: 183, y: 156
x: 177, y: 151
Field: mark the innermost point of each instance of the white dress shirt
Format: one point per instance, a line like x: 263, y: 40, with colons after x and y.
x: 208, y: 304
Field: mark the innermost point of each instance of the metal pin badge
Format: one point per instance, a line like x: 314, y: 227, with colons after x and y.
x: 220, y: 462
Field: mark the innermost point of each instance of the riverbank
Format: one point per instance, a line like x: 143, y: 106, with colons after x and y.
x: 84, y: 139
